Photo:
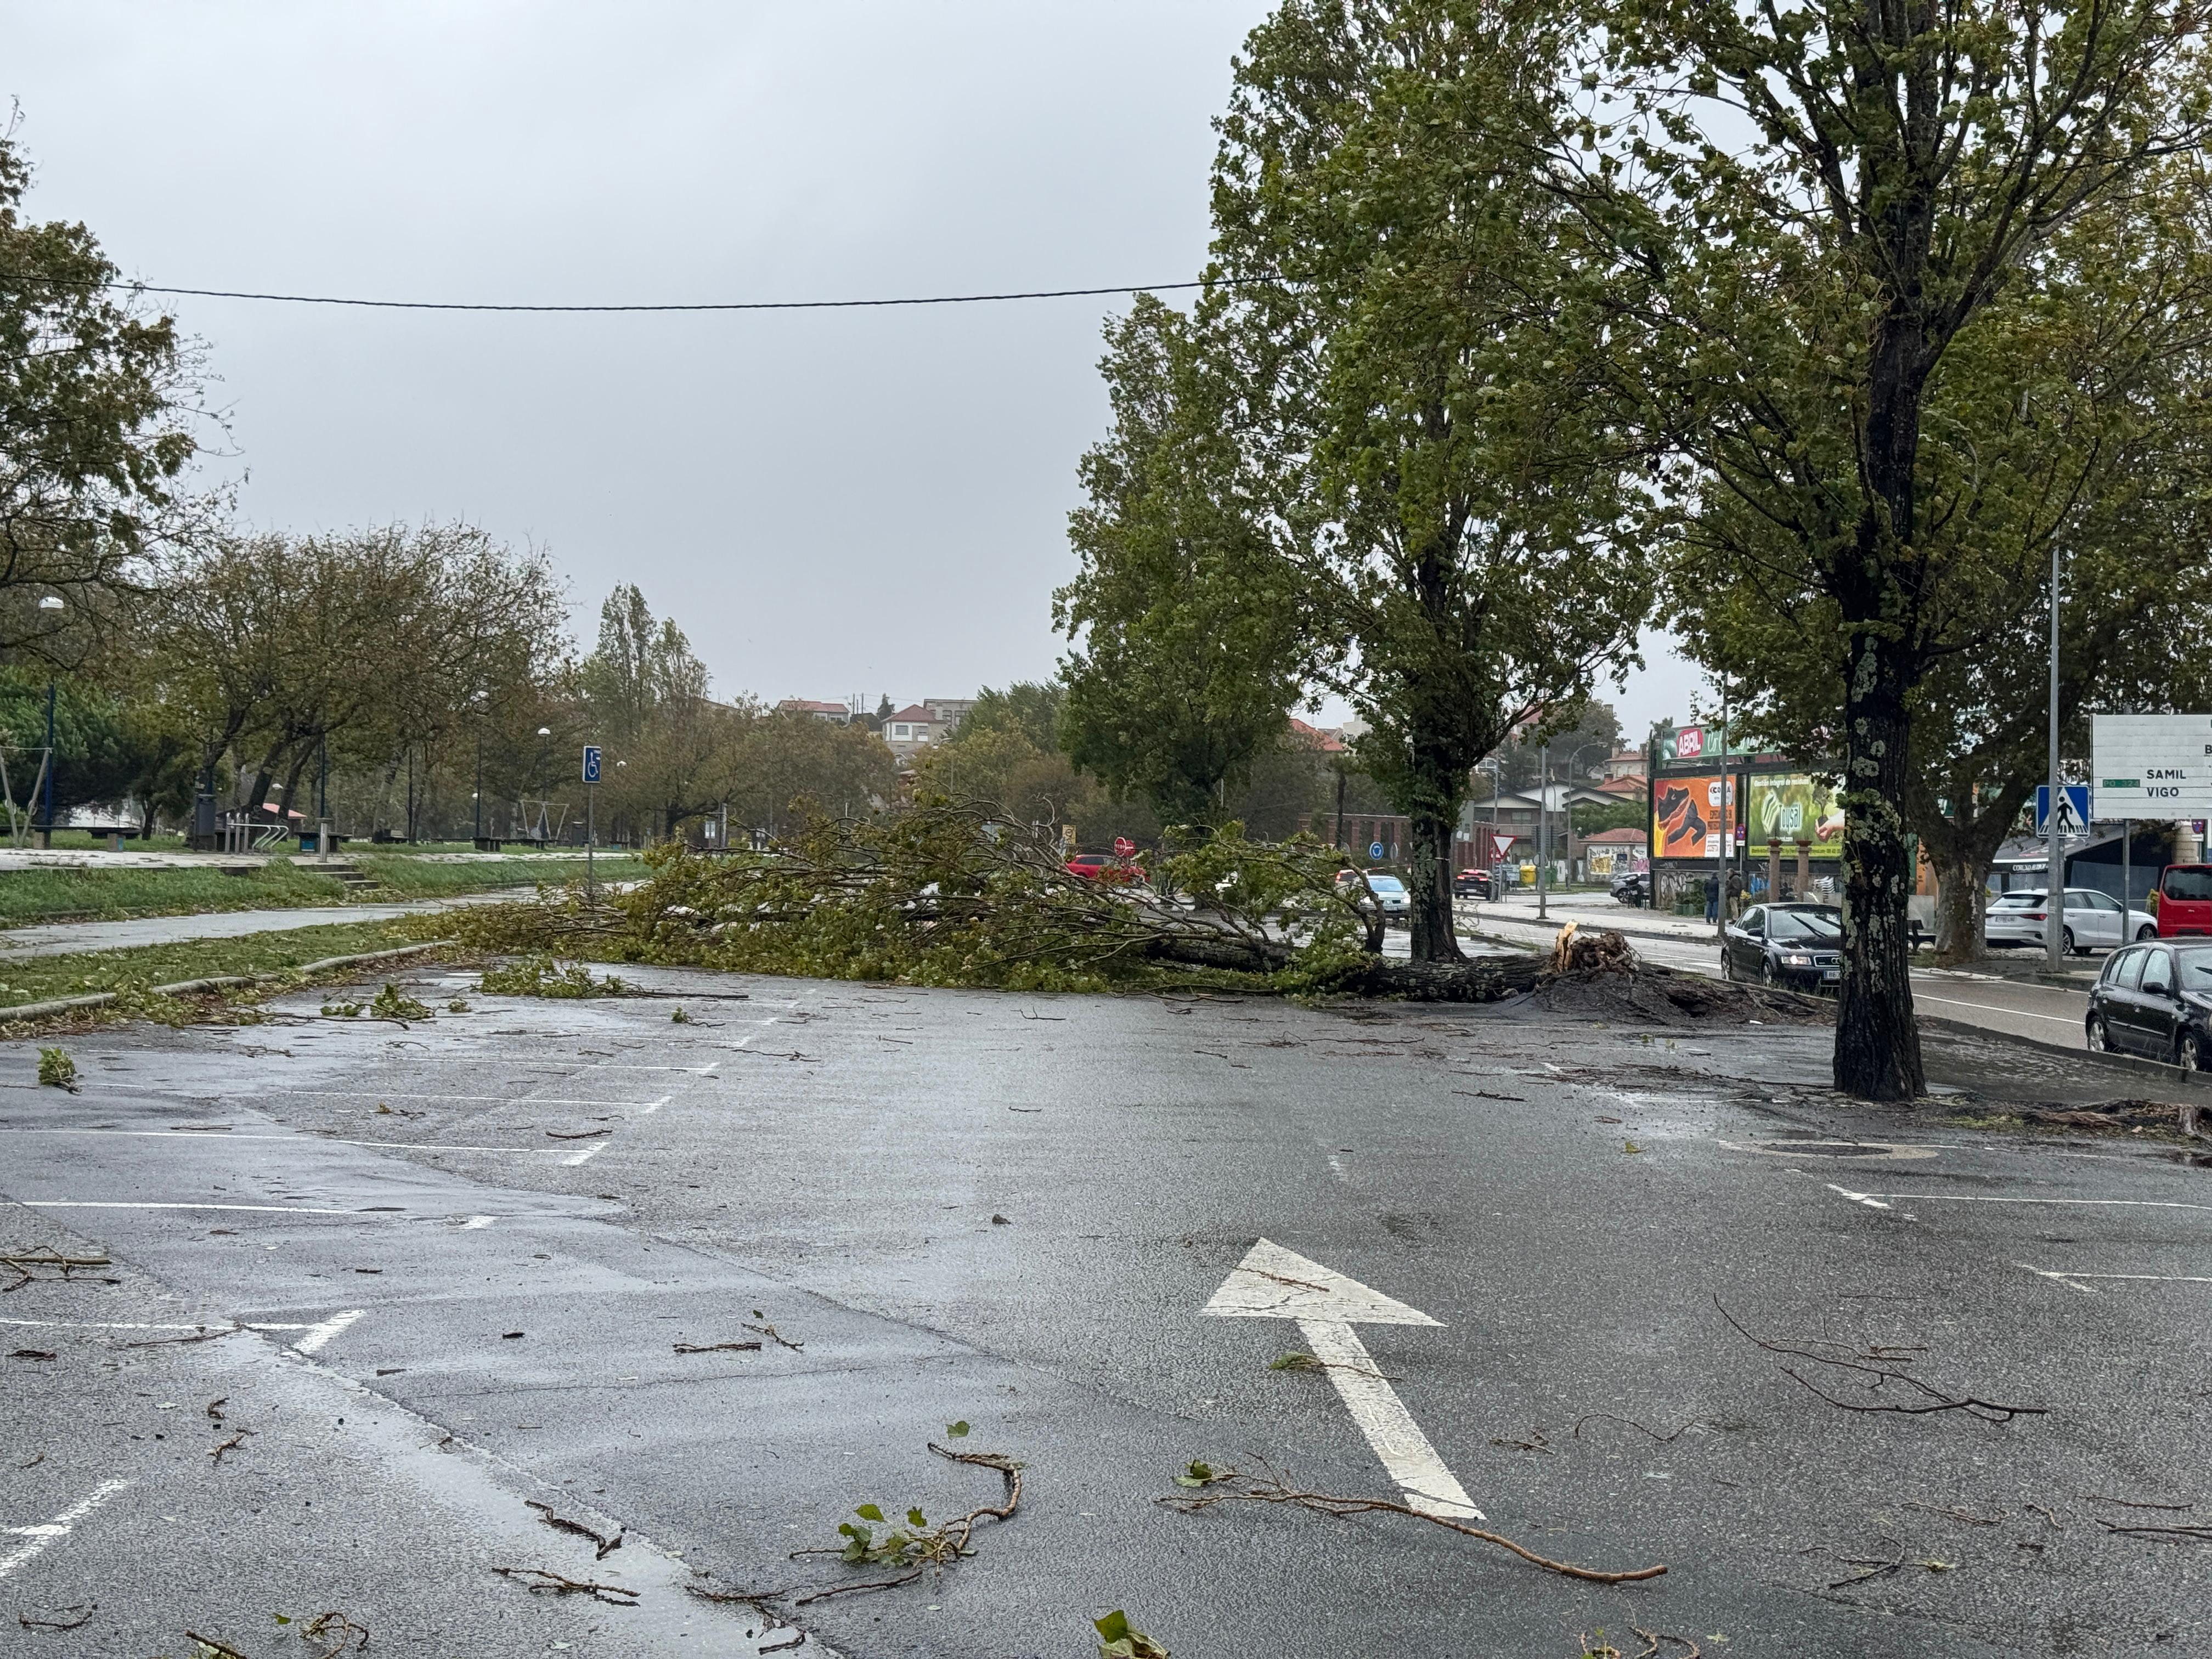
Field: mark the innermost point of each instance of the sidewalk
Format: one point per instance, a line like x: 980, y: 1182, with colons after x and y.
x: 61, y: 937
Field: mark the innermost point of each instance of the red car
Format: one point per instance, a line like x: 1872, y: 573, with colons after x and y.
x: 1100, y: 866
x: 2185, y: 900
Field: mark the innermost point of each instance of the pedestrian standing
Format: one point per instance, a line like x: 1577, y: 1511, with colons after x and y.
x: 1734, y: 894
x: 1712, y: 899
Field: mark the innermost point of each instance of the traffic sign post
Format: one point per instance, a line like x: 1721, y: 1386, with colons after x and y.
x: 1374, y: 849
x: 590, y: 785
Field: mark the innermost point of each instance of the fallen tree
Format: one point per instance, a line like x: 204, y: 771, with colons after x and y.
x: 954, y: 894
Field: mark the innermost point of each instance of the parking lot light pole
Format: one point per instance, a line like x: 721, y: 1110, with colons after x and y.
x: 2054, y: 882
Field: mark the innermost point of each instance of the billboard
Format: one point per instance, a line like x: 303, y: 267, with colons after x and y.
x: 2152, y: 766
x: 1692, y: 816
x: 1791, y: 808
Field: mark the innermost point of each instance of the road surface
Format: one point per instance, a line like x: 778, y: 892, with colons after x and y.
x: 494, y: 1259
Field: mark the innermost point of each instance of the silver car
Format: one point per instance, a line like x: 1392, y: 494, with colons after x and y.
x: 2094, y: 921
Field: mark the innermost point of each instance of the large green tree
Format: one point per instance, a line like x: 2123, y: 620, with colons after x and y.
x: 95, y: 398
x: 1187, y: 628
x: 1820, y: 277
x: 1419, y: 320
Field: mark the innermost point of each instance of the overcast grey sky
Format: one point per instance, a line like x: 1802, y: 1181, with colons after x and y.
x: 827, y: 502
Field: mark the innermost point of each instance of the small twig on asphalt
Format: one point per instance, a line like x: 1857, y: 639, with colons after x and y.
x: 1874, y: 1569
x: 231, y: 1444
x: 1970, y: 1518
x: 47, y: 1256
x: 1487, y: 1094
x: 774, y: 1336
x: 33, y: 1353
x: 1654, y: 1637
x: 606, y: 1545
x: 581, y: 1135
x: 2200, y: 1535
x: 2129, y: 1503
x: 1577, y: 1432
x: 1884, y: 1366
x: 1271, y: 1488
x: 84, y: 1610
x: 223, y: 1648
x: 341, y: 1633
x: 535, y: 1579
x: 717, y: 1347
x: 205, y: 1334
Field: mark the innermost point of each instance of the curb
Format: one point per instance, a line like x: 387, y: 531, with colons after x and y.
x: 101, y: 998
x: 2173, y: 1074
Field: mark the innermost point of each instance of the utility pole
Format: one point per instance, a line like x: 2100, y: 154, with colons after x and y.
x: 2054, y: 886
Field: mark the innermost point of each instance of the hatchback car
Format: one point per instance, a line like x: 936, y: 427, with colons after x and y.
x: 2094, y: 919
x: 1389, y: 893
x: 1472, y: 884
x: 1798, y: 946
x: 2185, y: 900
x: 2156, y: 1000
x: 1634, y: 888
x: 1101, y: 866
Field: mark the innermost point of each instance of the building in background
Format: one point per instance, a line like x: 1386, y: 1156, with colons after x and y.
x: 910, y: 730
x: 836, y: 713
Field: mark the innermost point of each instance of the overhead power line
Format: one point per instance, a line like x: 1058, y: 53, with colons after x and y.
x: 693, y: 305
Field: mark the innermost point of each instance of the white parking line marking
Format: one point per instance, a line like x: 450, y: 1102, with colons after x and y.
x: 213, y: 1138
x: 319, y: 1334
x: 105, y: 1204
x: 365, y: 1094
x: 652, y: 1106
x: 475, y: 1222
x: 59, y: 1527
x: 586, y: 1155
x: 1991, y: 1008
x: 2067, y: 1276
x: 1873, y: 1201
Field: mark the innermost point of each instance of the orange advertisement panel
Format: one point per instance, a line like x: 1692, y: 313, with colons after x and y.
x: 1692, y: 816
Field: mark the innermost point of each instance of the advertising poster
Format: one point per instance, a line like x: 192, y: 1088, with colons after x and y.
x: 1789, y: 809
x: 1691, y: 814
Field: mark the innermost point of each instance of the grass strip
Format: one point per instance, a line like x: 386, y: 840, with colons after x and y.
x: 40, y: 979
x: 115, y: 895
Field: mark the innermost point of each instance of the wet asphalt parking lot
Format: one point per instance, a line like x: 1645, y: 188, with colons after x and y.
x: 422, y: 1278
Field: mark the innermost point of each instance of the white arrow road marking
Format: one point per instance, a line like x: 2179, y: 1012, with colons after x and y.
x: 1273, y: 1282
x: 59, y: 1527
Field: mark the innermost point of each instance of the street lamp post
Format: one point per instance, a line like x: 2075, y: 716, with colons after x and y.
x: 2054, y: 885
x: 51, y: 602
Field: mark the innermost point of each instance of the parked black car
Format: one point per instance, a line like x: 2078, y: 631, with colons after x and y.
x: 2155, y: 1000
x: 1472, y: 884
x: 1798, y: 946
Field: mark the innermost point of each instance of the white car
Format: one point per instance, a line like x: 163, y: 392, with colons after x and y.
x: 1389, y: 893
x: 2094, y: 921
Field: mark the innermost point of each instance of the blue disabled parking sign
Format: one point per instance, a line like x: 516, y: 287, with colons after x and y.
x: 1374, y: 849
x: 590, y: 764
